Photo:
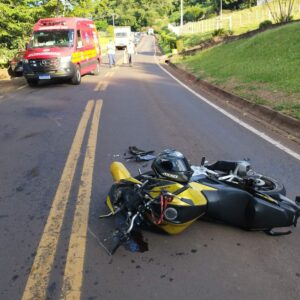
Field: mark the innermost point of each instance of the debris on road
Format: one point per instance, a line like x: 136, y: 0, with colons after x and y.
x: 139, y: 154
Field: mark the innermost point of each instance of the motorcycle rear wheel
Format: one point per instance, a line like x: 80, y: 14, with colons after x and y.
x: 270, y: 186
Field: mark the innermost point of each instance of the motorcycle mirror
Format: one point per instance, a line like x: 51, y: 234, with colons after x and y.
x: 114, y: 241
x: 202, y: 161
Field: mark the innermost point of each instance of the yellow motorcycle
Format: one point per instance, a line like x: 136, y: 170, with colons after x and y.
x: 174, y: 194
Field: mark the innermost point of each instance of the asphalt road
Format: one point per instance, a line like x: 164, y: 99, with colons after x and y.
x: 56, y: 145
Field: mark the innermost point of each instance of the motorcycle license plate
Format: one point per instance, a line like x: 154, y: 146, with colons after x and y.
x: 44, y: 76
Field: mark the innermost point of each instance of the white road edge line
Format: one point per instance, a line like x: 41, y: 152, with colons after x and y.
x: 232, y: 117
x: 22, y: 87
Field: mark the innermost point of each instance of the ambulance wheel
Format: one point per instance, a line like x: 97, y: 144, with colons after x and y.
x: 76, y: 79
x: 32, y: 82
x: 97, y: 70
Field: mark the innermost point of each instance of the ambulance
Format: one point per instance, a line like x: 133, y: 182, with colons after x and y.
x: 62, y: 48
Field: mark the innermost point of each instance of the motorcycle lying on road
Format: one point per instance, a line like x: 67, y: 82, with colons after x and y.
x: 173, y: 195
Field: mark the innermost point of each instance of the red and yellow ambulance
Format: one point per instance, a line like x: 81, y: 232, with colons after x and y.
x: 64, y: 48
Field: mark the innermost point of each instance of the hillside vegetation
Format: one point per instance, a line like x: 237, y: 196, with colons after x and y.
x: 18, y: 17
x: 263, y: 68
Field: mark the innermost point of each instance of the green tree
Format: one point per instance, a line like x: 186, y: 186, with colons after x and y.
x: 16, y: 19
x: 193, y: 13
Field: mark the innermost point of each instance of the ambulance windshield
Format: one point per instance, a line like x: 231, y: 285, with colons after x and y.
x: 52, y: 38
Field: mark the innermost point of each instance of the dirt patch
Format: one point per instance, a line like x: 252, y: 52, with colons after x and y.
x: 4, y: 74
x: 9, y: 84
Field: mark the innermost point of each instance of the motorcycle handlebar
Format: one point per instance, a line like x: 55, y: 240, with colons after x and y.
x: 132, y: 223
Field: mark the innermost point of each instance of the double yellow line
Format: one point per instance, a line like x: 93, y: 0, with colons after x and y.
x: 102, y: 85
x: 38, y: 280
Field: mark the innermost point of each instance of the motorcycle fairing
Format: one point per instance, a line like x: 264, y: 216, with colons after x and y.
x: 228, y: 205
x: 185, y: 213
x: 172, y: 228
x: 185, y: 196
x: 120, y: 172
x: 240, y: 208
x: 189, y: 203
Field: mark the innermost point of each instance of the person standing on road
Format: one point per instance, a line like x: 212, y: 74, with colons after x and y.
x: 130, y: 51
x: 111, y: 51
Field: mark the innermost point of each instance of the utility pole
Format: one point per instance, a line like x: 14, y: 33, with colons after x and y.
x: 181, y: 14
x: 221, y: 25
x: 113, y: 19
x: 64, y: 3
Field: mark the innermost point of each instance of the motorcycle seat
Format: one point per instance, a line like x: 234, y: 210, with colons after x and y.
x: 223, y: 166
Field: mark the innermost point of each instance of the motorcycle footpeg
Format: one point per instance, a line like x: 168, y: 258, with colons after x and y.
x: 106, y: 215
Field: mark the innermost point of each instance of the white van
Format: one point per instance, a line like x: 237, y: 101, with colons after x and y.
x: 122, y: 36
x: 150, y: 31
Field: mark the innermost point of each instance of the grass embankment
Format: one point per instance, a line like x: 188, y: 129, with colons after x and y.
x: 192, y: 40
x: 264, y: 69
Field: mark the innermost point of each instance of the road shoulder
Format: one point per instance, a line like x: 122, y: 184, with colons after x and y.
x: 286, y: 126
x: 9, y: 85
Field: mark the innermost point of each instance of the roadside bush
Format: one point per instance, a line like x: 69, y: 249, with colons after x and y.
x: 222, y: 32
x: 171, y: 40
x: 5, y: 56
x: 286, y: 19
x: 281, y: 10
x: 192, y: 40
x: 167, y: 41
x: 265, y: 24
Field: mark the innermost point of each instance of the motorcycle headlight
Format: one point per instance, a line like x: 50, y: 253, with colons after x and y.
x: 171, y: 213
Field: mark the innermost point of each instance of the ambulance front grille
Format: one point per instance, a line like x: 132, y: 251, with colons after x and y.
x: 44, y: 65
